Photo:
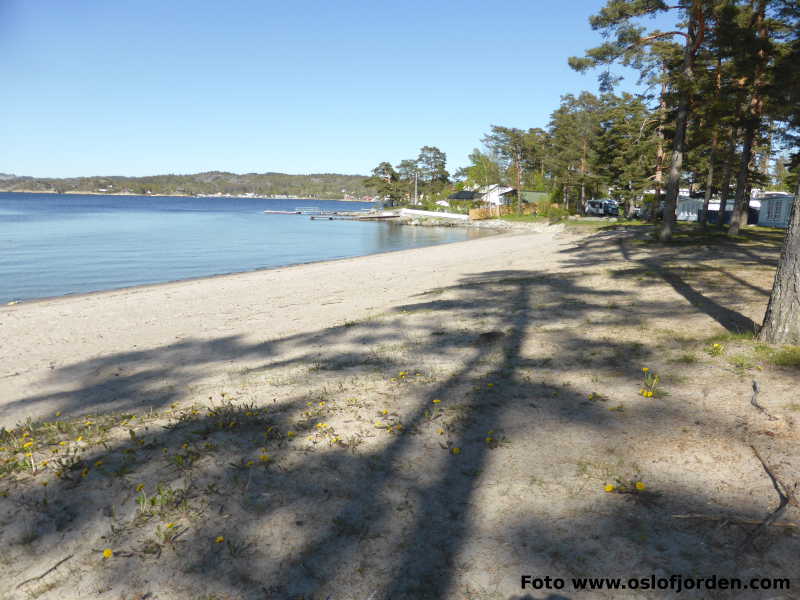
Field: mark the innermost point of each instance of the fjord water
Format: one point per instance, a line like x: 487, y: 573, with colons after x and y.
x: 51, y: 244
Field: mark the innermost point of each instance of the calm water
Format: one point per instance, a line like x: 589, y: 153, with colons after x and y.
x: 52, y: 245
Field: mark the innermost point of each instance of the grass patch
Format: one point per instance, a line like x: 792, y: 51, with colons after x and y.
x: 788, y: 356
x: 687, y: 358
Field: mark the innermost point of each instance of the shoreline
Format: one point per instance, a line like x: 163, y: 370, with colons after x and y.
x: 84, y: 337
x: 157, y: 284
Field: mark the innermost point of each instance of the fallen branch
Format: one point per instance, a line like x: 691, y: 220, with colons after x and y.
x: 735, y: 520
x: 50, y: 570
x: 785, y: 494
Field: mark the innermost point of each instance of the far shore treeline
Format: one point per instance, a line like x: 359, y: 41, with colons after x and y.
x: 323, y: 185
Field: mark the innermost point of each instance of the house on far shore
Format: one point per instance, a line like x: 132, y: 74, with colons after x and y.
x: 498, y: 195
x: 775, y: 209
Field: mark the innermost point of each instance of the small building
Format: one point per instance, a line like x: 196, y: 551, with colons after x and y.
x: 775, y: 210
x: 498, y: 195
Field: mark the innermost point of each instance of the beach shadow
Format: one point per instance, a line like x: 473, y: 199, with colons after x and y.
x: 401, y: 519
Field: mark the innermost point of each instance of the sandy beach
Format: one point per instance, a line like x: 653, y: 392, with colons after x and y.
x: 425, y: 424
x: 60, y: 354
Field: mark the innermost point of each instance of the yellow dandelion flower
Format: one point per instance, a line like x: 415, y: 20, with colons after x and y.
x: 322, y: 403
x: 455, y: 450
x: 436, y: 401
x: 79, y: 438
x: 645, y: 369
x: 640, y: 485
x: 170, y: 525
x: 108, y: 553
x: 489, y: 385
x: 384, y: 412
x: 139, y: 487
x: 58, y: 414
x: 402, y: 373
x: 26, y: 434
x: 62, y: 443
x: 290, y: 434
x: 98, y: 463
x: 184, y: 445
x: 378, y: 424
x: 250, y: 463
x: 489, y: 440
x: 219, y: 539
x: 440, y: 431
x: 27, y: 444
x: 264, y: 458
x: 609, y: 488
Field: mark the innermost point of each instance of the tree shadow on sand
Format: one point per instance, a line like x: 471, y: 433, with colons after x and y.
x: 403, y: 513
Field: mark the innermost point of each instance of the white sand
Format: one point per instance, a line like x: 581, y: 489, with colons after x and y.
x: 85, y: 338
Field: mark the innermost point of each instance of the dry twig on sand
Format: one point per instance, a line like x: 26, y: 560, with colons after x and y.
x: 50, y: 570
x: 785, y: 494
x: 754, y: 401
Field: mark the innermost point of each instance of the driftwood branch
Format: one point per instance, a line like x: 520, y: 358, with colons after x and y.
x: 50, y: 570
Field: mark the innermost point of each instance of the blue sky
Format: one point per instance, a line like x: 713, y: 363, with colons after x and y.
x: 146, y: 87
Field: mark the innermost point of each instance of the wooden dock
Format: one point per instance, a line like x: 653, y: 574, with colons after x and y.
x: 353, y: 218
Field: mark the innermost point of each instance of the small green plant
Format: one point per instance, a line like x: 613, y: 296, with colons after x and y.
x: 741, y: 362
x: 649, y: 383
x: 716, y: 349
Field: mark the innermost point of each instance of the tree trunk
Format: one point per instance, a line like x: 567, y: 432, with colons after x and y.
x: 725, y: 184
x: 713, y: 154
x: 709, y: 180
x: 782, y: 319
x: 754, y: 109
x: 742, y: 200
x: 681, y: 121
x: 658, y: 178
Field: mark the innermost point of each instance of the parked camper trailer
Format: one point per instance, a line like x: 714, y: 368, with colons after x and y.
x: 775, y: 210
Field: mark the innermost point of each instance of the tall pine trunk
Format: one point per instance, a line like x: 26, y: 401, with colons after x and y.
x: 713, y: 154
x: 725, y: 183
x: 709, y: 180
x: 681, y: 121
x: 752, y: 121
x: 741, y: 201
x: 782, y: 319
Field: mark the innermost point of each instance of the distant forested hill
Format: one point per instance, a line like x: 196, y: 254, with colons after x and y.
x: 323, y: 185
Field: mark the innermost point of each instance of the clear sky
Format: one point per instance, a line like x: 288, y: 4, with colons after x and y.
x: 98, y: 87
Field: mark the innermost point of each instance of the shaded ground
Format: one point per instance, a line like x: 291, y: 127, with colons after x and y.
x: 440, y: 449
